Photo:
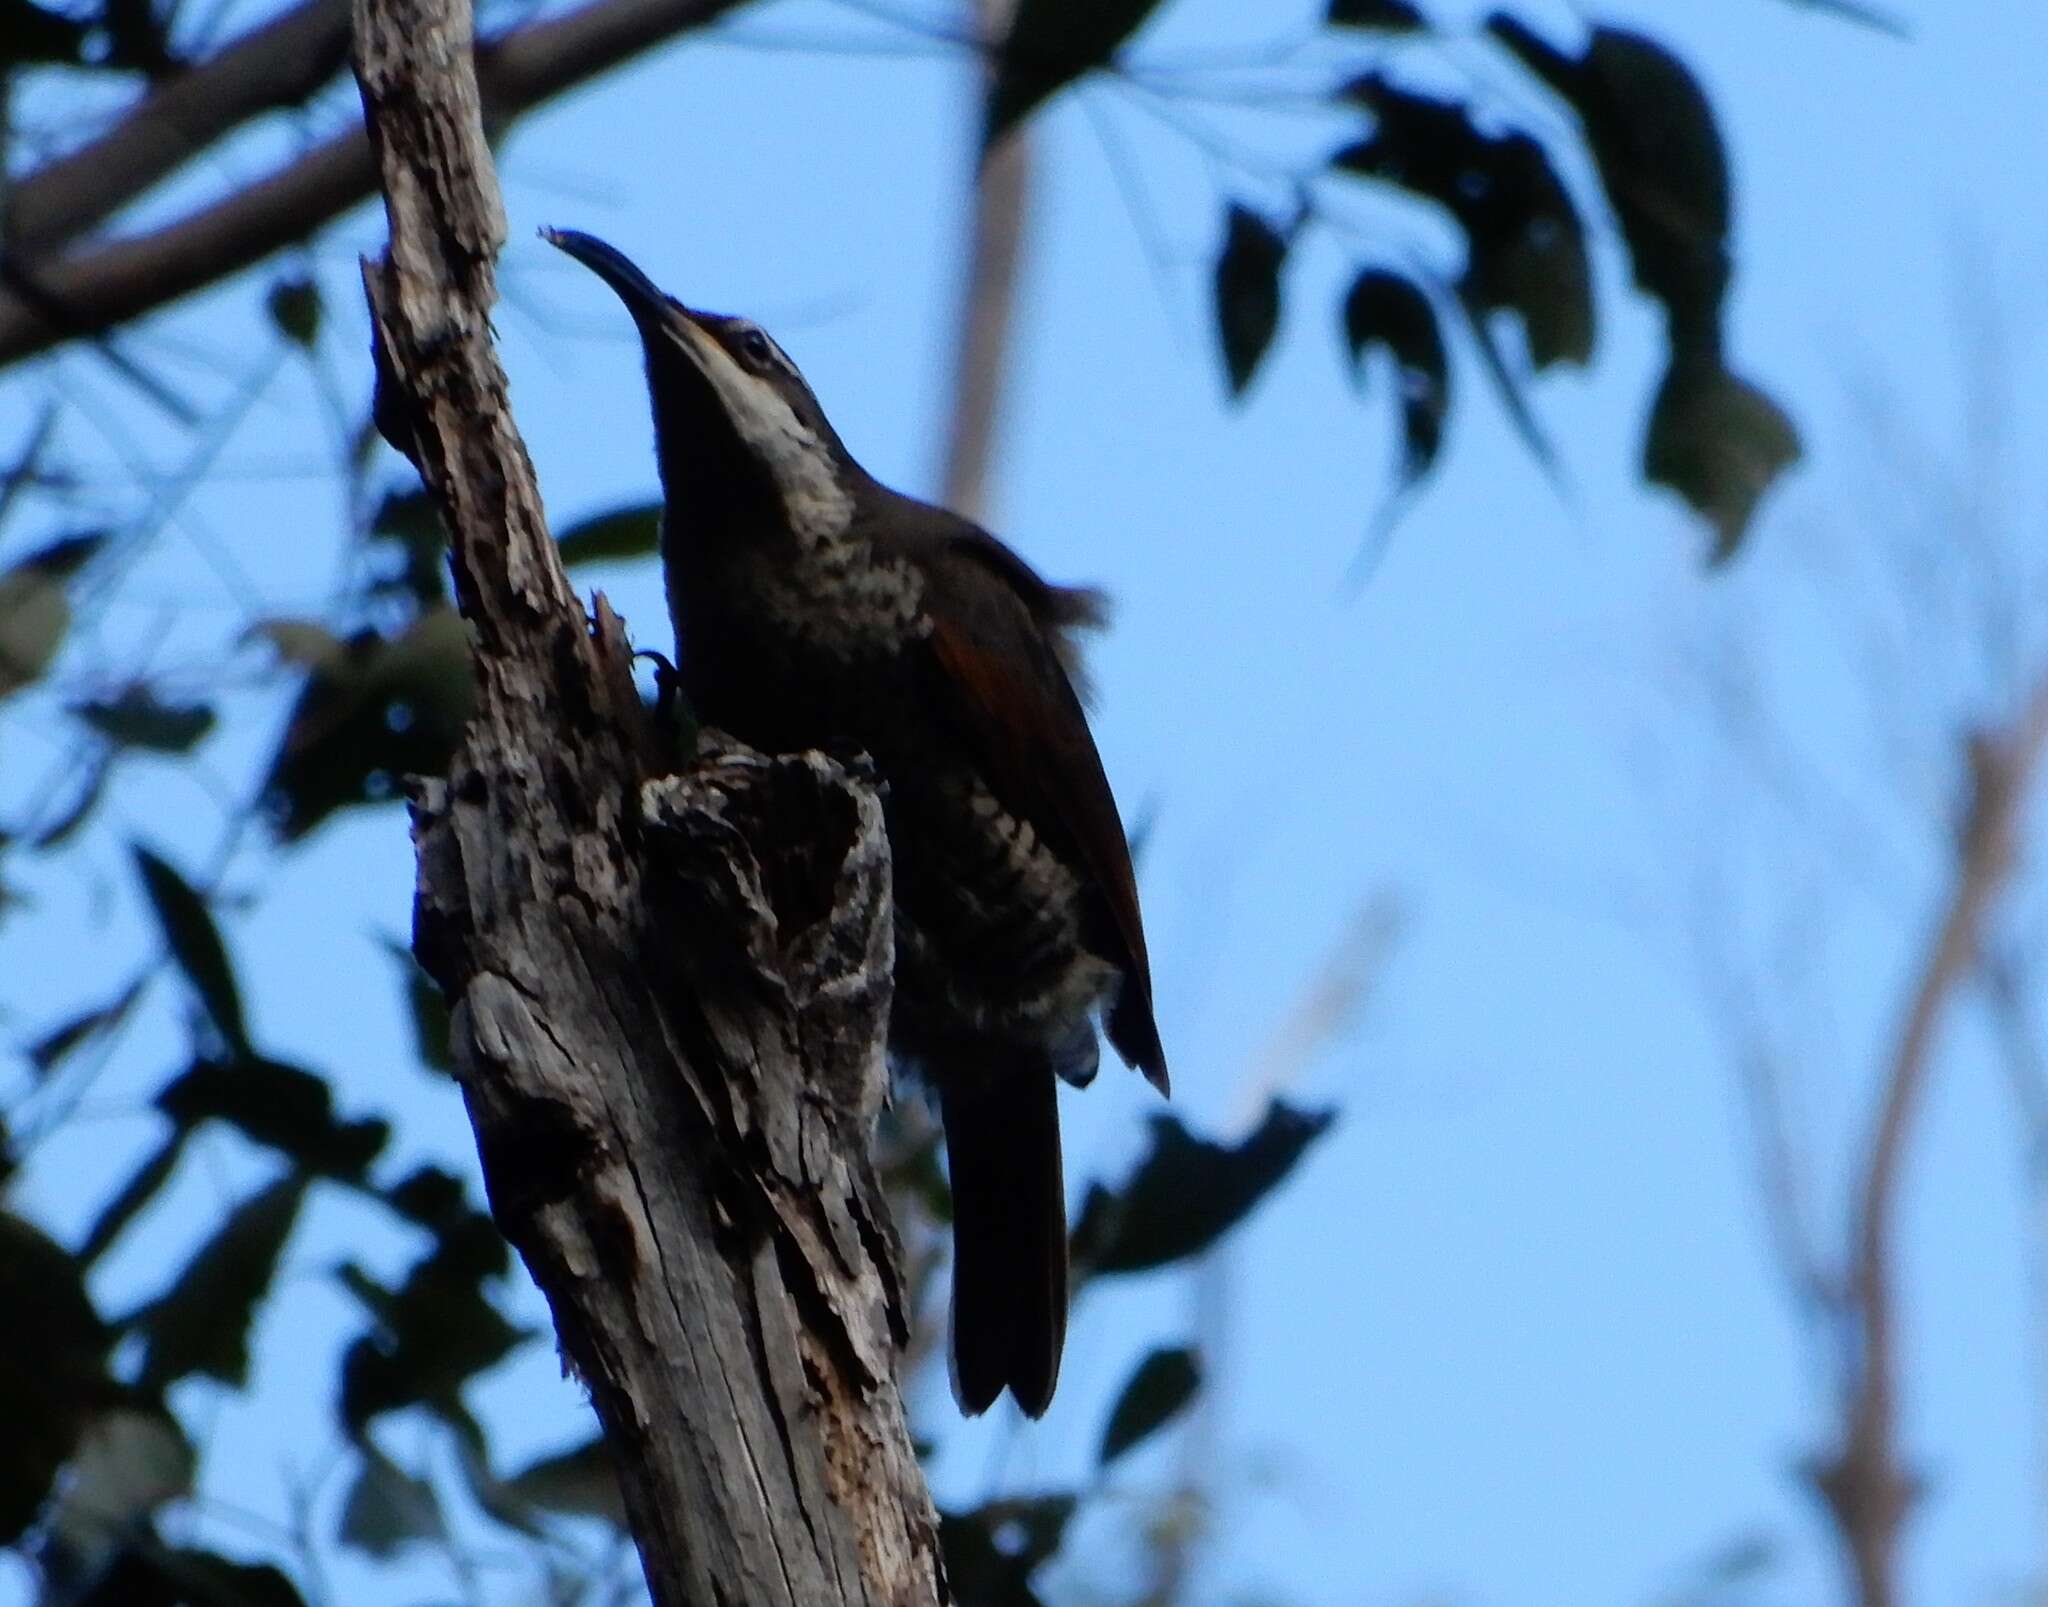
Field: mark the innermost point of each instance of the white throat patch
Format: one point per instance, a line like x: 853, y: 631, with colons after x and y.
x: 817, y: 505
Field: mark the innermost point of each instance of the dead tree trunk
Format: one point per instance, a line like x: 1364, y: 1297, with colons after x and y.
x: 670, y: 995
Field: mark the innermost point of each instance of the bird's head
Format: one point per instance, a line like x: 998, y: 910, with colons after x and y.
x: 735, y: 425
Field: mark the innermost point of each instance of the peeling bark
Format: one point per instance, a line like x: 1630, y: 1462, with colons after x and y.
x: 670, y: 992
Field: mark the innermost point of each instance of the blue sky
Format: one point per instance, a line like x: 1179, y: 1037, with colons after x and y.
x: 1514, y: 1336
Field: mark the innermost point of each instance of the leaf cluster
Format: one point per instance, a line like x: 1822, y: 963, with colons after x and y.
x: 104, y: 1394
x: 1523, y: 299
x: 1662, y: 173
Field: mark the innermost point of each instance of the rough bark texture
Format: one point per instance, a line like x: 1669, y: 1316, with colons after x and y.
x: 670, y: 995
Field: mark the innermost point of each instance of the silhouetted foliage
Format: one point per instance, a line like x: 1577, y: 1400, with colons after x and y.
x: 377, y: 688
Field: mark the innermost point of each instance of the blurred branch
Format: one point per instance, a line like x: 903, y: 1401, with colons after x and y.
x: 282, y: 63
x: 1863, y: 1480
x: 988, y: 303
x: 46, y: 298
x: 2027, y: 1066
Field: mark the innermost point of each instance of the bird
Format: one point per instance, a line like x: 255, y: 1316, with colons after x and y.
x: 816, y: 608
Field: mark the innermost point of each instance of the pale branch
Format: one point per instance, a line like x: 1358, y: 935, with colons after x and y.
x: 47, y: 298
x: 988, y: 299
x: 669, y: 996
x: 987, y: 309
x: 1864, y: 1479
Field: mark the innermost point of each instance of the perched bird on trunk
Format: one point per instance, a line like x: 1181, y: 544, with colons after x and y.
x: 816, y: 608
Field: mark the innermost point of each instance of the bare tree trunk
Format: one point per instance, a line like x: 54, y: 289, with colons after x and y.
x: 670, y: 995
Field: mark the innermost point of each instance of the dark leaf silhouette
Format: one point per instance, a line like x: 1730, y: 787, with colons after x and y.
x: 137, y: 37
x: 437, y: 1330
x: 436, y: 1200
x: 1188, y: 1192
x: 195, y: 945
x: 64, y: 557
x: 408, y: 523
x: 1719, y: 442
x: 294, y: 307
x: 1384, y: 310
x: 136, y: 719
x: 384, y: 709
x: 581, y: 1482
x: 429, y: 1010
x: 1507, y: 384
x: 33, y: 35
x: 201, y: 1323
x: 1660, y: 158
x: 1247, y: 292
x: 284, y: 1106
x: 1160, y: 1389
x: 1526, y: 247
x: 386, y: 1507
x: 1383, y: 16
x: 35, y: 612
x: 159, y: 1577
x: 52, y: 1367
x: 1049, y: 45
x: 992, y: 1551
x: 50, y: 1051
x: 131, y: 1461
x: 137, y: 1192
x: 629, y: 532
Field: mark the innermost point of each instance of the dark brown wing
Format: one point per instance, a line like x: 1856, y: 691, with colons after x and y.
x: 996, y: 653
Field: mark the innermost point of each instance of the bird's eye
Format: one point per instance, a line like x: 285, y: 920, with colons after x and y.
x: 754, y: 346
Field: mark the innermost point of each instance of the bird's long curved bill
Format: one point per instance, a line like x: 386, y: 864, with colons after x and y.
x: 640, y: 294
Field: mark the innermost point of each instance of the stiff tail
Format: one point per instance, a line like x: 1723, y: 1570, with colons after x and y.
x: 1009, y: 1235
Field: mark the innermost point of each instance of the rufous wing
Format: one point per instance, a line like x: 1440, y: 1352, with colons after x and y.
x: 995, y: 649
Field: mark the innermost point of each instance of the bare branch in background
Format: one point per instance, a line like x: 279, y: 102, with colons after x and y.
x: 2027, y: 1066
x: 1864, y: 1478
x: 282, y: 63
x: 1920, y: 595
x: 988, y: 300
x: 46, y: 298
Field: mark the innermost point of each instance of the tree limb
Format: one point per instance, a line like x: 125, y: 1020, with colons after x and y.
x: 988, y: 302
x: 45, y: 300
x: 670, y: 998
x: 282, y: 63
x: 1864, y: 1480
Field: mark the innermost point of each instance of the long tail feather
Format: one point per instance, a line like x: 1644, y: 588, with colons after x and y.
x: 1009, y: 1235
